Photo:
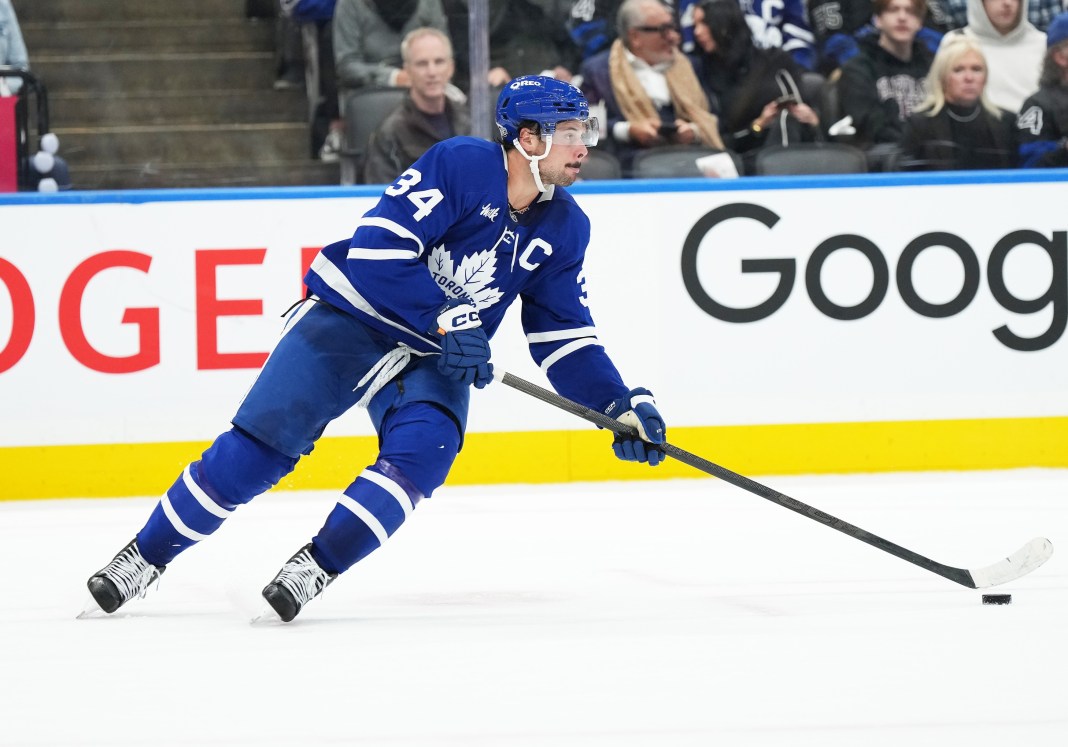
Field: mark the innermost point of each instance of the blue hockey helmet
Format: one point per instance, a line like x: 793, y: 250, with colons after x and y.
x: 546, y: 101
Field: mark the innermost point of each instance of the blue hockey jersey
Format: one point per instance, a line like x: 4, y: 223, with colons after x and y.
x: 783, y: 24
x: 443, y: 230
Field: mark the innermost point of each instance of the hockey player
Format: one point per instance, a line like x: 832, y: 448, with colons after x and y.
x: 398, y: 320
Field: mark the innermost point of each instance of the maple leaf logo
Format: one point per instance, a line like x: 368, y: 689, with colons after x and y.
x: 475, y: 274
x: 472, y: 278
x: 441, y: 263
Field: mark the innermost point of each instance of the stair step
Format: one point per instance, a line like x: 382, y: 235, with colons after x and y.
x: 54, y: 11
x: 183, y: 35
x: 154, y: 145
x: 170, y: 71
x: 177, y: 93
x: 191, y: 175
x: 76, y: 109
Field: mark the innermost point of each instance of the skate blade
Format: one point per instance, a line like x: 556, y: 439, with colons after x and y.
x: 91, y: 611
x: 266, y: 617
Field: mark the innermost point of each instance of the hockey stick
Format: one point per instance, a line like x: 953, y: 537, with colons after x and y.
x: 1019, y: 564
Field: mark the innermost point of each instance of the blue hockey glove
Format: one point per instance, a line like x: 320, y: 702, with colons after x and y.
x: 638, y: 409
x: 465, y: 351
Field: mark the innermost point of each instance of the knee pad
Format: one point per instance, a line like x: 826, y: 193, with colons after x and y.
x: 421, y: 441
x: 237, y: 468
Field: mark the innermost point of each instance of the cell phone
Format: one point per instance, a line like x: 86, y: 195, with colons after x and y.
x: 667, y: 129
x: 786, y: 100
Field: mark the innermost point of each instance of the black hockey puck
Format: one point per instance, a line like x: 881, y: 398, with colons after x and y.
x: 997, y: 598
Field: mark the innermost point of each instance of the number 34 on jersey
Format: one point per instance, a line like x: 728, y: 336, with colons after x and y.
x: 424, y: 200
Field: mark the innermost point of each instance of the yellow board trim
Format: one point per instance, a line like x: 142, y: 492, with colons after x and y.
x: 93, y: 471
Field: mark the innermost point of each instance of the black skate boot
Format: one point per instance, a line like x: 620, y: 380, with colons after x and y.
x: 125, y: 577
x: 300, y: 580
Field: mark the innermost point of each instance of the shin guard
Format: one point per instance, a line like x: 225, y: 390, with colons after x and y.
x: 234, y: 470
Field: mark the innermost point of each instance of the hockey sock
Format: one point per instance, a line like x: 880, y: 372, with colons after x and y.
x: 369, y: 511
x: 419, y: 445
x: 234, y: 470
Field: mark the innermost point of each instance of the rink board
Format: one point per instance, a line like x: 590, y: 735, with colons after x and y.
x: 823, y: 324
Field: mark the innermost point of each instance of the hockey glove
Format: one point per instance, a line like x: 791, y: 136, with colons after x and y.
x: 465, y: 351
x: 638, y: 409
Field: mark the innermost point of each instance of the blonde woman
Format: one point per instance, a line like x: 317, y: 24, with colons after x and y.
x: 1012, y: 46
x: 956, y: 127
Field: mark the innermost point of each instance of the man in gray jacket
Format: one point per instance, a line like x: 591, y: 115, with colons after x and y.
x: 368, y: 34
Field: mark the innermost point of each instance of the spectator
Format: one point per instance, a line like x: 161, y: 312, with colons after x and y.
x: 957, y: 126
x: 1043, y: 122
x: 782, y: 24
x: 649, y: 89
x: 523, y: 40
x: 839, y: 25
x: 1012, y: 47
x: 884, y: 83
x: 12, y: 48
x: 743, y: 82
x: 592, y: 25
x: 367, y: 38
x: 834, y: 24
x: 1039, y: 12
x: 426, y: 117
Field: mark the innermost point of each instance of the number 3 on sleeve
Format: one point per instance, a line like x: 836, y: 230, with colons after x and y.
x: 424, y: 200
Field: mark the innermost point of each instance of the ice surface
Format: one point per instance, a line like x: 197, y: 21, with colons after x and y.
x: 670, y: 613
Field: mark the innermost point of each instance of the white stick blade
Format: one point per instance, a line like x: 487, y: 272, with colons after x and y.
x: 1019, y: 564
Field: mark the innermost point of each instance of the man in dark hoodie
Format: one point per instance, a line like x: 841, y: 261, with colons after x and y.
x: 882, y: 85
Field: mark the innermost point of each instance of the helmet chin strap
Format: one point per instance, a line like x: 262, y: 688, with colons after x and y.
x: 533, y: 160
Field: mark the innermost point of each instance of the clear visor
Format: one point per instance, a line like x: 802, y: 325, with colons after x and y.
x: 573, y: 132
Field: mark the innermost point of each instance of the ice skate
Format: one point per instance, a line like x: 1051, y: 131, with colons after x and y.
x: 125, y: 577
x: 300, y: 580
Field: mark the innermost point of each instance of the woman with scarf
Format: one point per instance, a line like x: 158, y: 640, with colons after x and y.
x: 754, y: 91
x: 368, y: 34
x: 956, y: 127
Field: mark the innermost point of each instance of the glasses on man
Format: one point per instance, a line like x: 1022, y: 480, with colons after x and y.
x: 664, y: 29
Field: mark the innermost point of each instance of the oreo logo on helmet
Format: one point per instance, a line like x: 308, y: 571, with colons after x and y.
x: 522, y: 83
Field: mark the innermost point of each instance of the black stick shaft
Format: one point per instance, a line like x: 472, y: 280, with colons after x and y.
x: 958, y: 575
